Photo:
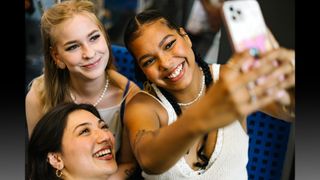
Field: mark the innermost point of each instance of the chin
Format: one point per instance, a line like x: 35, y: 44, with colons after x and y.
x: 111, y: 170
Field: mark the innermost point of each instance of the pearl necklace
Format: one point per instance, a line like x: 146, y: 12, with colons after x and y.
x: 100, y: 97
x: 199, y: 94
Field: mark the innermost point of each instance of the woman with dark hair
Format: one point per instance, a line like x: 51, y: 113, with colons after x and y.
x: 71, y: 141
x: 189, y: 123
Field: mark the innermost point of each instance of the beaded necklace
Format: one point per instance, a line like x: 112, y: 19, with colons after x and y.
x: 199, y: 94
x: 100, y: 97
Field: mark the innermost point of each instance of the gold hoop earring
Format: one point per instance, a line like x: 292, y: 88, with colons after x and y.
x: 59, y: 173
x: 147, y: 86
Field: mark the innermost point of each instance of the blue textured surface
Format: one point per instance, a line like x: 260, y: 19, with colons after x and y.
x: 268, y: 139
x: 124, y: 63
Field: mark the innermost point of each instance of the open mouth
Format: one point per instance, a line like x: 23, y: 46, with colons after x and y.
x: 104, y: 154
x: 176, y: 72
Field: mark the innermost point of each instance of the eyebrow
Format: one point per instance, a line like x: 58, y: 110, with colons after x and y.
x: 74, y: 41
x: 82, y: 124
x: 160, y: 44
x: 142, y: 57
x: 164, y: 39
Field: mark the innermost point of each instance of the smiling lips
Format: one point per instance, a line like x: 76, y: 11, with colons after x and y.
x: 177, y: 73
x: 104, y: 154
x: 92, y: 65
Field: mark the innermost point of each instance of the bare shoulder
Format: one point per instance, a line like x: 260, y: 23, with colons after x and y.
x: 33, y: 105
x: 121, y: 81
x: 117, y: 78
x: 147, y: 110
x: 33, y: 95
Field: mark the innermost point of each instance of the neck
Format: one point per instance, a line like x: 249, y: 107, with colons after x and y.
x: 87, y: 91
x: 196, y: 90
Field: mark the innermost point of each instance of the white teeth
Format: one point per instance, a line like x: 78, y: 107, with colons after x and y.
x: 103, y: 153
x: 176, y: 72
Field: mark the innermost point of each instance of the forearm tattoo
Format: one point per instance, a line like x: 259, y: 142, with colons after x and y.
x: 142, y: 133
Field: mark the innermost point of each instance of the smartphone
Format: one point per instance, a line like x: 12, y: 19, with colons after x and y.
x: 245, y: 25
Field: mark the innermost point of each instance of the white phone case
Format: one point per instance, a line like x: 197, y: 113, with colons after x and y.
x: 245, y: 25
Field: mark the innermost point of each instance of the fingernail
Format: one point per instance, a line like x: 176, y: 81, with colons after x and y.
x: 256, y: 64
x: 281, y: 78
x: 280, y: 94
x: 246, y: 66
x: 261, y: 80
x: 275, y: 63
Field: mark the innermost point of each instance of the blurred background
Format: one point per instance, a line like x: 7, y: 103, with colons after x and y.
x: 208, y: 38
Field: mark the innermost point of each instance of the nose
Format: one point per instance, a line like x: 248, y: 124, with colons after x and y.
x: 88, y: 52
x: 103, y: 136
x: 164, y: 62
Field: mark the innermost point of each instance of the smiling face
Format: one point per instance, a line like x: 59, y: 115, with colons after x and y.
x: 87, y: 147
x: 164, y: 55
x: 80, y: 46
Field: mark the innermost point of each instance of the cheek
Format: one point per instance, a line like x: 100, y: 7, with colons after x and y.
x: 102, y: 47
x: 77, y: 148
x: 183, y: 49
x: 71, y: 59
x: 151, y: 73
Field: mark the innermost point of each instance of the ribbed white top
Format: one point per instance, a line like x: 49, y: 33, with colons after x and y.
x: 228, y: 160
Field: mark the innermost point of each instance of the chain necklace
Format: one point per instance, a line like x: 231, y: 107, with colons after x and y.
x: 100, y: 97
x: 199, y: 94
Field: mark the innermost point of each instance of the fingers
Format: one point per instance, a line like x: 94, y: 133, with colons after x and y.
x: 264, y: 81
x: 281, y: 55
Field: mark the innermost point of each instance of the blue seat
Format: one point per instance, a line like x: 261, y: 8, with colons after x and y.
x: 268, y: 141
x: 124, y: 63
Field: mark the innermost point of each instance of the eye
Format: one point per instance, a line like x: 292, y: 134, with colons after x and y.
x: 95, y: 37
x: 84, y: 131
x: 169, y: 45
x: 105, y: 126
x: 148, y: 62
x: 70, y: 48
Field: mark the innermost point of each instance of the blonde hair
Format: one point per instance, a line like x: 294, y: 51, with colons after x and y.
x: 56, y: 80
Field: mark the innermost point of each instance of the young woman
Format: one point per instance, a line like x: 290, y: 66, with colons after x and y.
x: 78, y: 68
x: 190, y: 121
x: 71, y: 141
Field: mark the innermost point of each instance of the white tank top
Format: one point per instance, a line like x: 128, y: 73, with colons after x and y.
x: 228, y: 160
x: 111, y: 116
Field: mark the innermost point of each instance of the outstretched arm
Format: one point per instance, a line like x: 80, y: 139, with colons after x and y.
x: 158, y: 146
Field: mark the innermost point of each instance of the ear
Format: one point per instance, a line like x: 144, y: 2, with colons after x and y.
x: 55, y: 160
x: 185, y: 36
x: 55, y: 56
